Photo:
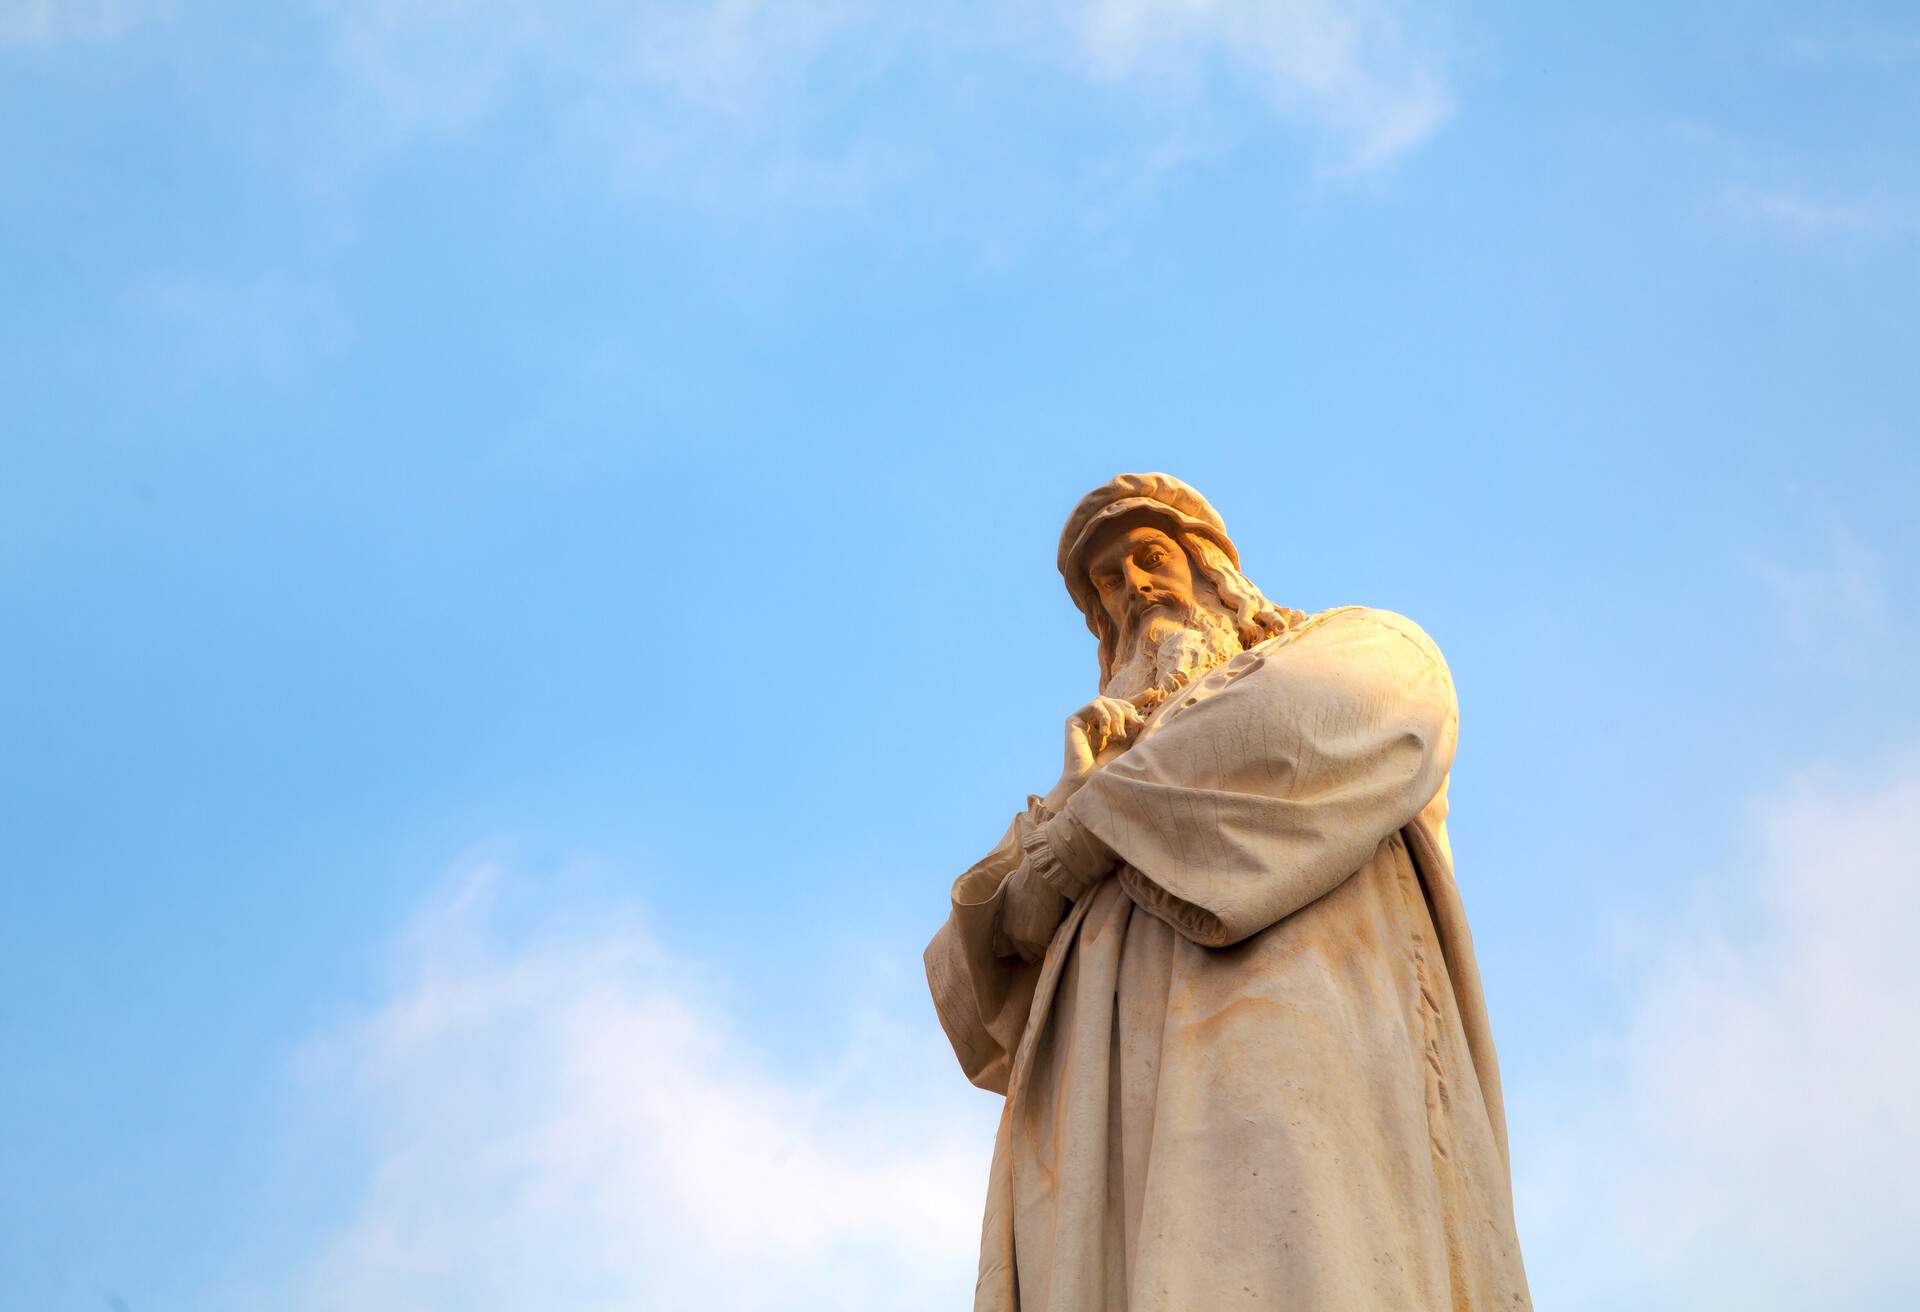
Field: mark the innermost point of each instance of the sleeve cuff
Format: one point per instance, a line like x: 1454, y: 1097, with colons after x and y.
x: 1064, y: 856
x: 1192, y: 922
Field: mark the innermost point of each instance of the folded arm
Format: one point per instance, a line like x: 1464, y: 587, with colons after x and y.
x: 1243, y: 808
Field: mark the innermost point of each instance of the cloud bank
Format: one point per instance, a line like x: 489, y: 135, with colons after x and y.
x: 1747, y: 1140
x: 566, y: 1122
x: 568, y: 1119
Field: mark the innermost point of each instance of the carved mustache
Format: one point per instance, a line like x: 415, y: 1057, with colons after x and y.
x: 1141, y: 604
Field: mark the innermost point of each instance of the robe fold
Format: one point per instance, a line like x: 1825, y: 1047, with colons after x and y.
x: 1253, y: 1069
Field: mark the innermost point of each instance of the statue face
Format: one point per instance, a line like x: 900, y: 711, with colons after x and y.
x: 1135, y: 570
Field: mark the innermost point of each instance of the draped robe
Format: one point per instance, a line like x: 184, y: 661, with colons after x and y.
x: 1253, y: 1069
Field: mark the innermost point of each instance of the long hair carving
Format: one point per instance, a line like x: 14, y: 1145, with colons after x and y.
x: 1255, y: 619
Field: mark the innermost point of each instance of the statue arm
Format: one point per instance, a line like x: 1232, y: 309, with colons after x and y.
x: 982, y: 989
x: 1258, y: 800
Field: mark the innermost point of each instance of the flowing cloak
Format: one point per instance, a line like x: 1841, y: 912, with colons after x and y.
x: 1253, y: 1069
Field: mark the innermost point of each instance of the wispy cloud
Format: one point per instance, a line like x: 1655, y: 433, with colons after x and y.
x: 1803, y: 214
x: 1857, y: 44
x: 1746, y: 1140
x: 51, y: 22
x: 568, y: 1120
x: 716, y: 99
x: 733, y: 88
x: 431, y: 63
x: 1833, y: 613
x: 1348, y: 67
x: 194, y: 329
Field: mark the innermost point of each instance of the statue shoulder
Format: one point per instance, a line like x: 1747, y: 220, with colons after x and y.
x: 1363, y: 624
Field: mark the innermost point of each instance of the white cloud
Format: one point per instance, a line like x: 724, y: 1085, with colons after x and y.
x: 570, y: 1122
x: 1748, y: 1141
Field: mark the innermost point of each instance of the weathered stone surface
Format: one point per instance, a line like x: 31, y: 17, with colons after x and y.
x: 1221, y: 971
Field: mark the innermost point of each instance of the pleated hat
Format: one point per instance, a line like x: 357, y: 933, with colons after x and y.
x: 1129, y: 499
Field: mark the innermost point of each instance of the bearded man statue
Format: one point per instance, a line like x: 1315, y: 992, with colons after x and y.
x: 1221, y: 972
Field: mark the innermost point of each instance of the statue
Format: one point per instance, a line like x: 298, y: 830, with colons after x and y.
x: 1221, y: 972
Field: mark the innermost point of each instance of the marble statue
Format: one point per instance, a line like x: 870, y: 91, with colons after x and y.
x: 1221, y: 971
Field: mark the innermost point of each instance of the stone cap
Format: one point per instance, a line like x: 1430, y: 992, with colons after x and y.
x: 1133, y: 497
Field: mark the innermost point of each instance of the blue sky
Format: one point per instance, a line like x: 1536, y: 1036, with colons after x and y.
x: 526, y: 534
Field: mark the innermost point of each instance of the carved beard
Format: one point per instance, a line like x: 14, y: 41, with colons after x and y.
x: 1170, y: 650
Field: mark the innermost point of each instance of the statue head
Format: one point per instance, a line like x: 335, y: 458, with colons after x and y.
x: 1150, y: 565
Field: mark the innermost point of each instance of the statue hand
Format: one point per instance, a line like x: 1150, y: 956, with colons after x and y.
x: 1104, y: 725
